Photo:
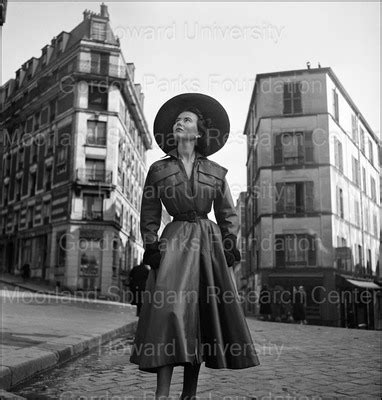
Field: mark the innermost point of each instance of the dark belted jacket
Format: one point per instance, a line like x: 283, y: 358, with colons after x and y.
x: 167, y: 182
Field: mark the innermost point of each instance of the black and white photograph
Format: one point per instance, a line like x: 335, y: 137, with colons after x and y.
x: 190, y: 200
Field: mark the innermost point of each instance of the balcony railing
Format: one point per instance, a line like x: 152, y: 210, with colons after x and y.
x: 110, y: 69
x: 90, y: 175
x: 99, y: 141
x: 92, y: 215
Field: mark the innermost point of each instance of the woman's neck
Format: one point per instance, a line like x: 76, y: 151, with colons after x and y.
x: 186, y: 151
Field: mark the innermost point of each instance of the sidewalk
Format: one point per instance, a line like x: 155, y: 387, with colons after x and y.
x: 41, y: 330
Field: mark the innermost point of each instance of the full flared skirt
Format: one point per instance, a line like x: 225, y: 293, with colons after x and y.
x: 191, y: 310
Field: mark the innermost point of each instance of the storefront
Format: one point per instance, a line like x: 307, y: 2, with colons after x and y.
x: 360, y: 304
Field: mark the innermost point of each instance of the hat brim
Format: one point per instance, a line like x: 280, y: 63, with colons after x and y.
x: 216, y: 135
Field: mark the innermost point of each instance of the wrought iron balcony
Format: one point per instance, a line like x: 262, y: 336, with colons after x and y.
x: 92, y: 215
x: 102, y: 68
x: 91, y: 175
x: 98, y: 141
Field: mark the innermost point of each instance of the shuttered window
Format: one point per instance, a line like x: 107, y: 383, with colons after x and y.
x: 292, y: 148
x: 292, y: 98
x: 295, y: 250
x: 294, y: 197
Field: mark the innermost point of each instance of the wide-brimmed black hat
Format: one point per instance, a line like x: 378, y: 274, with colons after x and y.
x: 216, y: 134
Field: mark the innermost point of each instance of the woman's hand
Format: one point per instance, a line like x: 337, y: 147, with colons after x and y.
x: 152, y: 256
x: 231, y: 253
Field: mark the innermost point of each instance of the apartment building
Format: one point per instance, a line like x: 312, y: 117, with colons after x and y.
x: 312, y: 204
x: 73, y: 161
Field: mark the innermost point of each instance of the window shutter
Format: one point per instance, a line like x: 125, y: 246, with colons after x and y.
x: 280, y: 197
x: 308, y: 146
x: 311, y: 251
x: 309, y: 196
x: 340, y: 158
x: 287, y: 98
x: 280, y: 251
x: 278, y: 150
x: 297, y: 104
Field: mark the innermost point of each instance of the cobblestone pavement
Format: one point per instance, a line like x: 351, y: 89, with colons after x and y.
x: 297, y: 362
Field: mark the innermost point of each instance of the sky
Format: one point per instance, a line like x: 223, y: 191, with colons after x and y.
x: 217, y: 49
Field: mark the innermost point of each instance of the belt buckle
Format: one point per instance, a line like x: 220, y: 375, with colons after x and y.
x: 191, y: 216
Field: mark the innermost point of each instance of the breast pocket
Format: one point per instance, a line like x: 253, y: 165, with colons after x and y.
x: 169, y: 186
x: 207, y: 185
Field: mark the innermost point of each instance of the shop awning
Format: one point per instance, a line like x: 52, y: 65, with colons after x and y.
x: 364, y: 284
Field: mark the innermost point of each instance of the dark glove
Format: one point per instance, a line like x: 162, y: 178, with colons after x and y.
x: 231, y: 252
x: 152, y: 255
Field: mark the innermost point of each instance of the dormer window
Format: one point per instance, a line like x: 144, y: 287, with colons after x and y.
x: 60, y: 45
x: 98, y: 31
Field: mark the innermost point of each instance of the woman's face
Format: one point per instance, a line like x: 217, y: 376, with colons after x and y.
x: 186, y: 126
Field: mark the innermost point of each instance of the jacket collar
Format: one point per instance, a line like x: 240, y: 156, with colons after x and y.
x: 174, y: 153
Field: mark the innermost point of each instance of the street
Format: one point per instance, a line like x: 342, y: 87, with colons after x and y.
x: 297, y: 362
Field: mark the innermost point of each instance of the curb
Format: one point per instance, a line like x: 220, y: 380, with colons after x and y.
x: 34, y: 360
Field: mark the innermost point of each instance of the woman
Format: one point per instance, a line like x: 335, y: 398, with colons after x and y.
x: 191, y: 312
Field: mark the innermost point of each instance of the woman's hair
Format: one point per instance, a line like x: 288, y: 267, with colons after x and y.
x: 203, y: 125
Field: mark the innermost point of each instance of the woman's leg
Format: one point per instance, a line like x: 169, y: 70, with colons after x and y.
x: 190, y: 381
x: 164, y: 376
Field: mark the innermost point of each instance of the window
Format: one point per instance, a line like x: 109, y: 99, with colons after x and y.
x: 355, y: 171
x: 18, y: 189
x: 34, y: 151
x: 364, y: 180
x: 293, y: 148
x: 354, y: 128
x: 99, y: 63
x: 32, y: 183
x: 371, y: 156
x: 98, y: 31
x: 97, y: 99
x: 61, y: 155
x: 375, y: 225
x: 368, y: 263
x: 338, y: 158
x: 366, y: 222
x: 91, y: 253
x: 44, y: 115
x: 65, y: 103
x: 373, y: 189
x: 362, y: 139
x: 5, y: 194
x: 356, y: 213
x: 46, y: 211
x: 292, y: 98
x: 30, y: 217
x: 53, y: 106
x: 92, y: 207
x: 95, y: 170
x: 335, y: 105
x: 29, y: 125
x: 340, y: 202
x: 48, y: 178
x: 294, y: 197
x: 60, y: 45
x: 96, y: 133
x: 295, y: 249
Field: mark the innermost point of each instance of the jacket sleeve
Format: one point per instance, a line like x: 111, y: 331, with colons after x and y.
x: 151, y: 212
x: 225, y: 212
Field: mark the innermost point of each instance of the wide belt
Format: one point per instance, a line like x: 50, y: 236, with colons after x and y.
x: 190, y: 216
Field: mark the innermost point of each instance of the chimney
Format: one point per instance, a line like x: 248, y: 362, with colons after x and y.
x: 104, y: 11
